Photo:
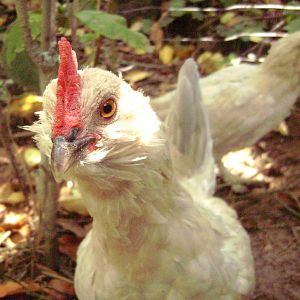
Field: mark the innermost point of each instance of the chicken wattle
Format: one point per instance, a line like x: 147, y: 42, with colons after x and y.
x: 155, y: 234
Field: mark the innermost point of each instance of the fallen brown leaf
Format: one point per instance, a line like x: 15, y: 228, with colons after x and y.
x: 72, y: 226
x: 137, y: 75
x: 13, y: 288
x: 13, y: 220
x: 62, y: 286
x: 68, y: 244
x: 156, y: 35
x: 166, y: 54
x: 51, y: 273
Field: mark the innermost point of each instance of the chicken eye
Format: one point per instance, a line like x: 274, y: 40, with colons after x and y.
x: 108, y: 108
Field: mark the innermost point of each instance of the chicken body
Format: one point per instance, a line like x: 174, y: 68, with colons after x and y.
x: 152, y: 237
x: 246, y: 102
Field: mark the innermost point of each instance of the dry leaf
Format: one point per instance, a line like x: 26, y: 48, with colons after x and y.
x: 210, y: 62
x: 156, y: 35
x: 3, y: 20
x: 136, y: 26
x: 68, y: 244
x: 51, y: 273
x: 12, y: 288
x: 15, y: 198
x: 9, y: 3
x: 72, y: 226
x: 31, y: 156
x: 184, y: 52
x: 4, y: 235
x: 166, y: 54
x: 26, y: 106
x: 71, y: 201
x: 5, y: 190
x: 2, y: 212
x: 14, y: 221
x: 62, y: 286
x: 283, y: 129
x: 16, y: 238
x: 8, y: 196
x: 137, y: 75
x: 21, y: 235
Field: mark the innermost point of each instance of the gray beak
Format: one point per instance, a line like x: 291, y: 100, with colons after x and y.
x: 67, y: 150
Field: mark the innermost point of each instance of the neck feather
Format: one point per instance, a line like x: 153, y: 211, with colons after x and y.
x: 125, y: 212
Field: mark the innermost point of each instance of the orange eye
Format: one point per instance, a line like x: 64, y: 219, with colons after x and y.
x: 108, y: 108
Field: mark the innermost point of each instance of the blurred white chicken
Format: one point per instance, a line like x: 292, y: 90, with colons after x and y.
x: 245, y: 102
x: 155, y: 235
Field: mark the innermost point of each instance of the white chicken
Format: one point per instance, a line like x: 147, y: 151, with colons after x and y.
x: 246, y: 102
x: 155, y: 235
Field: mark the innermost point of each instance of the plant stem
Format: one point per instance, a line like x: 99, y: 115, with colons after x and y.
x: 97, y: 41
x: 48, y: 192
x: 73, y: 8
x: 44, y: 59
x: 31, y: 47
x: 48, y: 28
x: 48, y: 188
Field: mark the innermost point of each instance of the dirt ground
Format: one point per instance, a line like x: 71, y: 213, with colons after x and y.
x: 271, y: 215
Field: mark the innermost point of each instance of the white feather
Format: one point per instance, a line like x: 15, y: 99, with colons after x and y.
x: 150, y: 239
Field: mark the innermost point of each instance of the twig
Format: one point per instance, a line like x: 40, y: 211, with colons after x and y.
x: 48, y: 27
x: 4, y: 236
x: 22, y: 135
x: 289, y: 209
x: 237, y: 7
x: 214, y: 9
x: 73, y: 8
x: 6, y: 140
x: 51, y: 273
x: 31, y: 47
x: 48, y: 191
x: 23, y: 285
x: 97, y: 44
x: 233, y: 37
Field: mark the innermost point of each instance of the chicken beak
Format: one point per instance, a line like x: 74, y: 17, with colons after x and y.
x: 65, y: 152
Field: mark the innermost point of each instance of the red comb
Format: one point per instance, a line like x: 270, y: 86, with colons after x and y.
x: 67, y: 108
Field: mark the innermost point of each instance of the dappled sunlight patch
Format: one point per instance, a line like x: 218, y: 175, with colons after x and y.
x: 243, y: 164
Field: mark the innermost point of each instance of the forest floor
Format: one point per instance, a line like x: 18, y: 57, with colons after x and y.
x: 271, y: 215
x: 270, y: 212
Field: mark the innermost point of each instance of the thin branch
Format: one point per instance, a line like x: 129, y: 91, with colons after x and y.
x: 31, y: 47
x: 233, y: 37
x: 98, y: 41
x: 22, y: 135
x: 48, y: 191
x: 237, y: 7
x: 48, y: 27
x: 7, y: 143
x: 72, y: 9
x: 213, y: 9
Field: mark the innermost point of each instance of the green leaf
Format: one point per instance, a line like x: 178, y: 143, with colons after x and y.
x: 35, y: 21
x: 146, y: 25
x: 293, y: 26
x: 13, y: 43
x: 113, y: 27
x: 88, y: 37
x: 87, y: 4
x: 4, y: 95
x: 228, y: 2
x: 177, y: 4
x: 13, y: 38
